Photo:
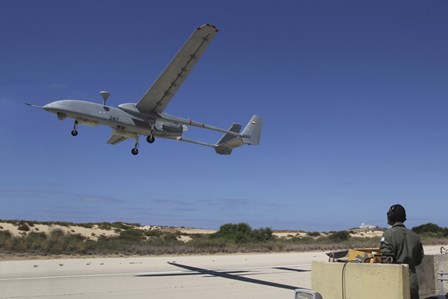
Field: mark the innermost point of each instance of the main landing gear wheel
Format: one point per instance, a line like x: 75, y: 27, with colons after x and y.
x: 150, y: 139
x: 134, y: 151
x: 74, y: 131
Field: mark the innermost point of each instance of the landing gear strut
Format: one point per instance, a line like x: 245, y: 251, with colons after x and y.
x: 134, y: 151
x: 151, y: 138
x: 74, y: 131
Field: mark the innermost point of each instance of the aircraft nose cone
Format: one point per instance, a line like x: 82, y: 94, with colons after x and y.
x: 51, y: 107
x: 55, y: 107
x: 48, y: 107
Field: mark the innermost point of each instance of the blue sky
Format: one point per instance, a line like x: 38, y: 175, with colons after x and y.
x: 354, y: 96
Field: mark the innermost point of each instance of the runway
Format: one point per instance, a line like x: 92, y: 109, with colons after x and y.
x: 235, y: 276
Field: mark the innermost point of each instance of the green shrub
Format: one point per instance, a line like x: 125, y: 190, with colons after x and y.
x: 86, y: 225
x: 56, y: 233
x: 65, y: 224
x: 121, y: 225
x: 340, y: 236
x: 105, y: 226
x: 153, y: 233
x: 314, y: 234
x: 132, y: 234
x: 428, y: 228
x: 235, y: 233
x: 23, y: 227
x: 263, y: 234
x: 4, y: 236
x: 171, y: 236
x: 242, y: 233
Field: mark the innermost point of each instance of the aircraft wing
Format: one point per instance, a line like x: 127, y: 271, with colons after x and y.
x: 114, y: 139
x: 165, y: 87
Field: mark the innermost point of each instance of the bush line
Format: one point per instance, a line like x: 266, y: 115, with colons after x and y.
x: 230, y: 238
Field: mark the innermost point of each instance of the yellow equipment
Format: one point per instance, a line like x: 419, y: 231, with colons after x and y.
x: 360, y: 255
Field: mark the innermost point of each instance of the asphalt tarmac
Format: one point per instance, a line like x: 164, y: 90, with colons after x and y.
x: 235, y: 276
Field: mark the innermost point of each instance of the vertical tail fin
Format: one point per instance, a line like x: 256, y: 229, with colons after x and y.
x: 250, y: 136
x: 252, y: 131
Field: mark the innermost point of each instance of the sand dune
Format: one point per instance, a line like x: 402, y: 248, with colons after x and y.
x: 95, y: 230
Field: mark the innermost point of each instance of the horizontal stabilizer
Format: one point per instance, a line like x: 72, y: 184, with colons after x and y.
x: 227, y: 137
x: 250, y: 136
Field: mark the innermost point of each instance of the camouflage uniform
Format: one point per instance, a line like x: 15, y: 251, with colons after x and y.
x: 405, y: 247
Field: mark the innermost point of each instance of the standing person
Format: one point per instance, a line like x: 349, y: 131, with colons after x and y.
x: 402, y: 245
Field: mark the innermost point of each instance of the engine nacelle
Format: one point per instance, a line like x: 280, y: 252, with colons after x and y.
x: 172, y: 128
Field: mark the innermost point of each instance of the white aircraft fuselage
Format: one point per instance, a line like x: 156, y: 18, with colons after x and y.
x: 131, y: 123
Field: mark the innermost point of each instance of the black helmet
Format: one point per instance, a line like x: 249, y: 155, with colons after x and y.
x: 396, y: 213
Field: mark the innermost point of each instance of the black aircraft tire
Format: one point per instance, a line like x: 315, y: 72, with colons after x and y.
x: 134, y: 151
x: 74, y: 133
x: 150, y: 139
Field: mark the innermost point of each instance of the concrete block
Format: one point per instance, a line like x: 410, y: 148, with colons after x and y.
x: 357, y: 280
x: 428, y: 282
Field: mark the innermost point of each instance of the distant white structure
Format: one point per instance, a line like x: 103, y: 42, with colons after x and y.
x: 367, y: 226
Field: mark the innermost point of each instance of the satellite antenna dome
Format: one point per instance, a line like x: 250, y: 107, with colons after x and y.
x: 105, y: 95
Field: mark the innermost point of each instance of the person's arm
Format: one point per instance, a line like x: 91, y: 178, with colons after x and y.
x: 386, y: 247
x: 420, y: 255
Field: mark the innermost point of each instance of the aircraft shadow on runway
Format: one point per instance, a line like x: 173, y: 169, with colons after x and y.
x: 291, y: 269
x: 230, y: 275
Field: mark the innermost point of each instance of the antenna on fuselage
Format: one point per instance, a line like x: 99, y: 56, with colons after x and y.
x: 105, y: 95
